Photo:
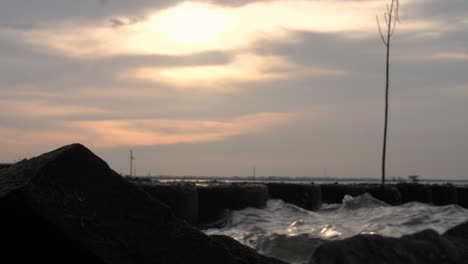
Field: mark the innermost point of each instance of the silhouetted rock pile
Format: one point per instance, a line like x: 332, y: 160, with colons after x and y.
x: 68, y: 206
x: 307, y: 196
x: 425, y: 247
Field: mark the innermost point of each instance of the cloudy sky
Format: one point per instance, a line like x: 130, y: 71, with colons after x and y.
x: 215, y: 87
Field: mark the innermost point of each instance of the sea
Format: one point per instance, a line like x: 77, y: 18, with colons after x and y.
x: 290, y: 233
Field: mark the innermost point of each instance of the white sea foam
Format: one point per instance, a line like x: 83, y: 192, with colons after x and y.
x: 290, y: 233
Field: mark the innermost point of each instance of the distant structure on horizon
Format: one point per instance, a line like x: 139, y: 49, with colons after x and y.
x: 6, y: 165
x: 413, y: 178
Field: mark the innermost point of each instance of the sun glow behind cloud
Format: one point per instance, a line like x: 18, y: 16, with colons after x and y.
x: 243, y: 68
x: 192, y: 23
x: 191, y: 27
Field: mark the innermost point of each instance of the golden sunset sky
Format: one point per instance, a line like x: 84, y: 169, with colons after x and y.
x: 215, y: 87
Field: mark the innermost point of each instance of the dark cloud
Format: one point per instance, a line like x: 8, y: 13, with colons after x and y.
x: 25, y: 13
x: 435, y: 9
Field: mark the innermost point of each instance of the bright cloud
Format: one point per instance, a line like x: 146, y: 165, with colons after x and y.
x: 244, y: 68
x: 195, y: 27
x: 110, y: 133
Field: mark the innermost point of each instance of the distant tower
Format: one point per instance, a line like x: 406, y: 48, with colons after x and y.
x: 254, y: 172
x: 131, y: 162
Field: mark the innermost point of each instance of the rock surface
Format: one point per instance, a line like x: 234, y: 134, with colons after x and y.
x: 425, y: 247
x: 70, y: 201
x: 243, y: 253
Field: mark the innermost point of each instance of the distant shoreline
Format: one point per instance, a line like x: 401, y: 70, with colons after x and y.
x: 201, y: 179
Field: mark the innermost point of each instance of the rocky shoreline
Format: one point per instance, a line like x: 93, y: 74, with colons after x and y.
x: 70, y: 201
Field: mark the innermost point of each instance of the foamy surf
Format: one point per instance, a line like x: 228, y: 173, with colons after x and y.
x: 291, y: 233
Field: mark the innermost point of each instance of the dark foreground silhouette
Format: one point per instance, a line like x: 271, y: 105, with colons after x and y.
x: 423, y: 247
x: 68, y: 206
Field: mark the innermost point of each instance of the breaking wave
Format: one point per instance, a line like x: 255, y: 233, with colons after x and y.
x: 291, y: 233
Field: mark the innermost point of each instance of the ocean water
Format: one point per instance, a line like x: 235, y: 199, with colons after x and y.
x: 291, y: 233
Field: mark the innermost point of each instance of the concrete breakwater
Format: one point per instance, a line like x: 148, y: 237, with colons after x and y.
x: 211, y: 202
x: 70, y: 201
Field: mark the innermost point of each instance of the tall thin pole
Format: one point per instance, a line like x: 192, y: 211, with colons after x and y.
x: 387, y: 81
x: 391, y: 18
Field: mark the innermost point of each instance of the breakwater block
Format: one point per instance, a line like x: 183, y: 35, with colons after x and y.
x: 214, y: 199
x: 181, y: 197
x: 334, y: 193
x: 413, y: 192
x: 444, y: 194
x: 386, y: 193
x: 307, y: 196
x: 462, y: 193
x: 93, y: 215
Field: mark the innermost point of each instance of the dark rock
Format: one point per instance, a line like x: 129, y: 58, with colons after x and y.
x: 307, y: 196
x: 413, y: 192
x: 69, y: 201
x: 458, y: 235
x: 459, y: 231
x: 444, y: 194
x: 215, y: 199
x: 27, y: 237
x: 243, y: 253
x: 386, y: 193
x: 462, y: 195
x: 426, y: 247
x: 292, y: 249
x: 182, y: 198
x: 334, y: 193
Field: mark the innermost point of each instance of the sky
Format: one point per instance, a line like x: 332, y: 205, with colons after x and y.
x: 214, y: 88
